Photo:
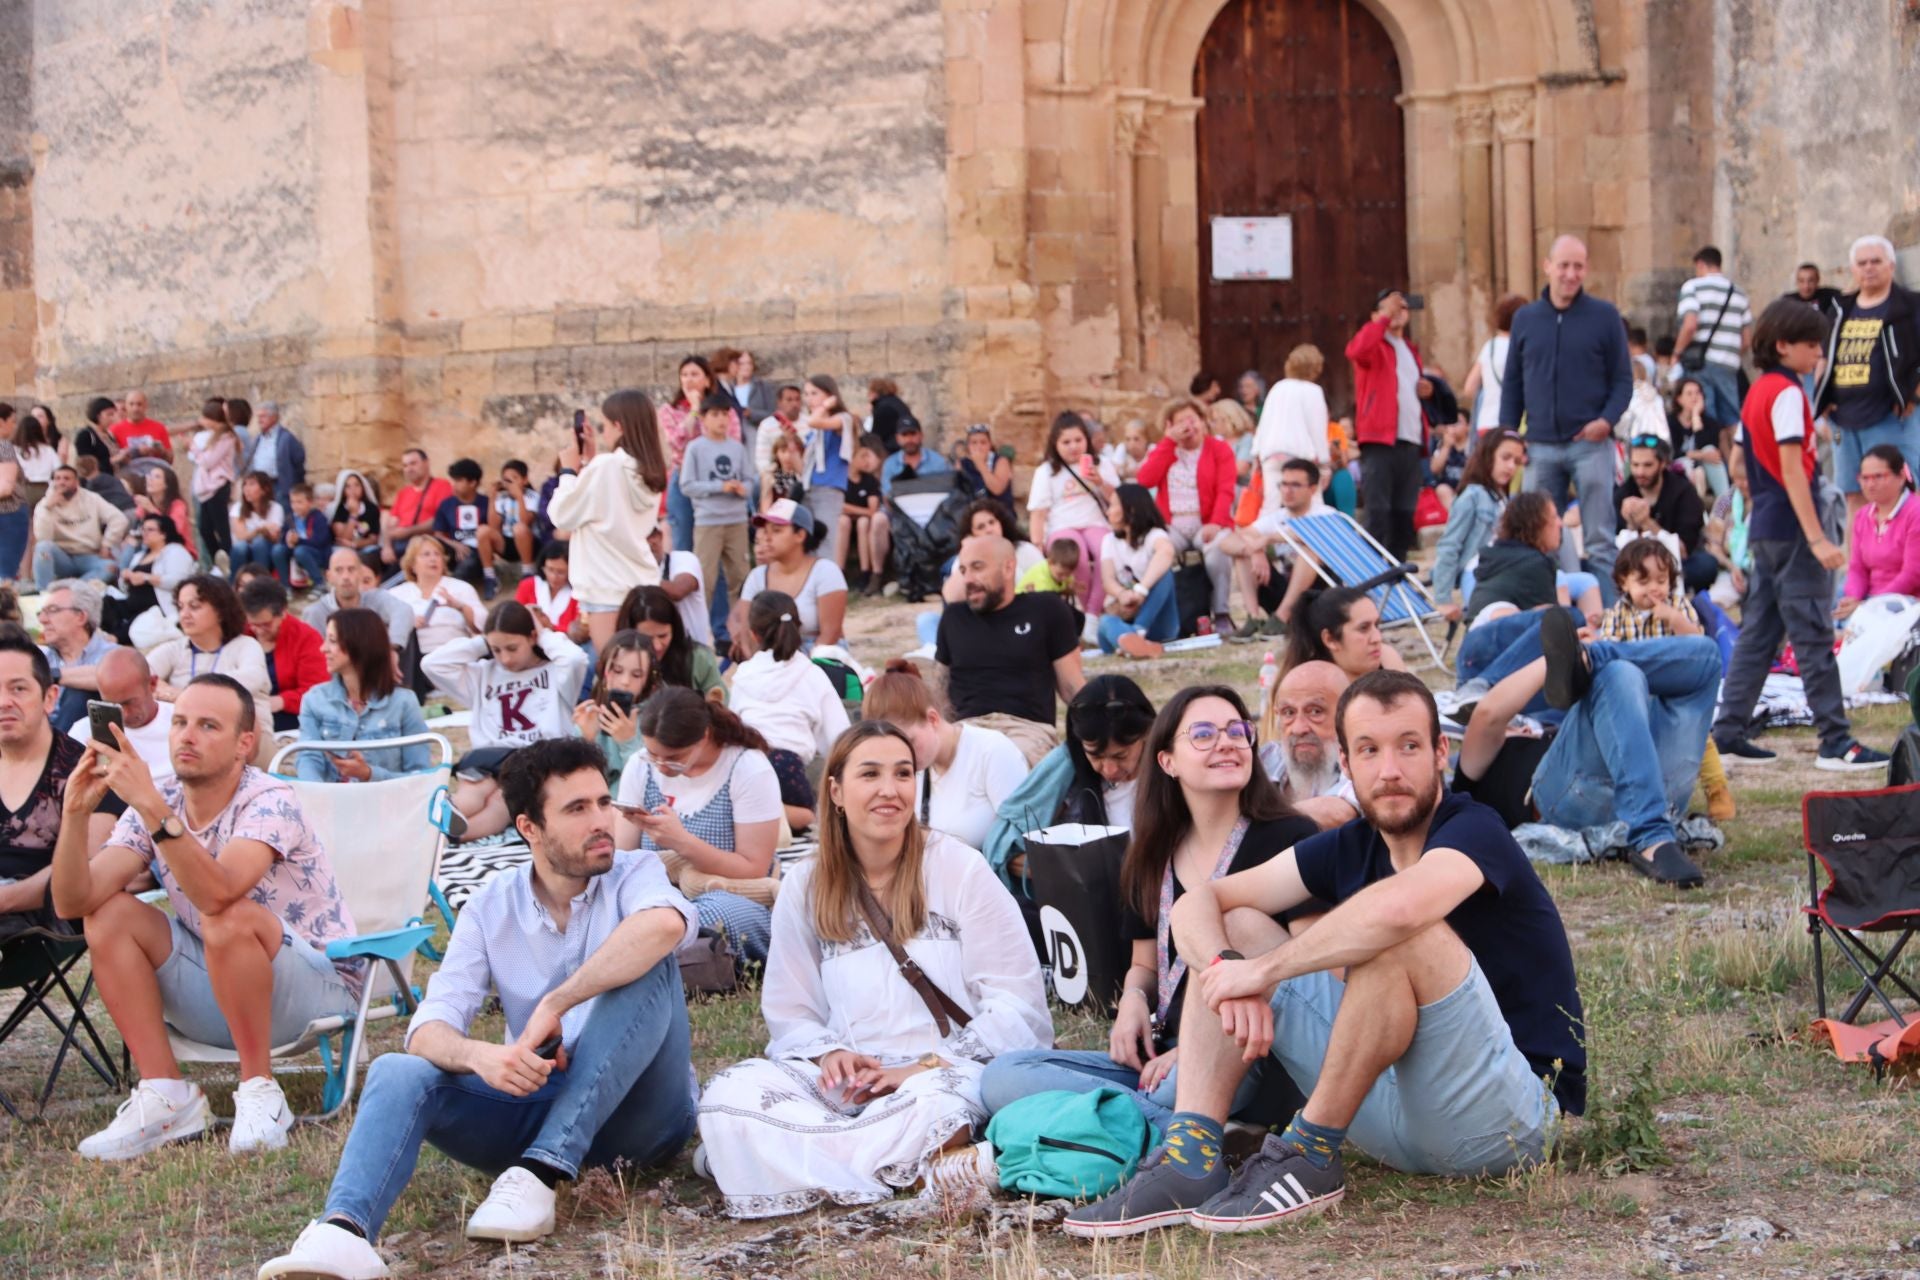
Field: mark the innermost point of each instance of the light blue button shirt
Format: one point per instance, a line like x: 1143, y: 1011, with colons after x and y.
x: 505, y: 941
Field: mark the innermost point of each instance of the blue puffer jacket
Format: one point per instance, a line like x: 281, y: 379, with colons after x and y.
x: 1565, y: 368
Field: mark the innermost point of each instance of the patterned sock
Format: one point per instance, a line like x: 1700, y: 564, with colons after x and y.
x: 1193, y: 1144
x: 1317, y: 1142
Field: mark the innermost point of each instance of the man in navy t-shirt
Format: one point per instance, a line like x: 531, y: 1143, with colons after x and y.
x: 1432, y: 1014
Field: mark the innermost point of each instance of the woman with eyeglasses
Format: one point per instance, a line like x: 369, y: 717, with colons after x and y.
x: 1206, y: 809
x: 1886, y: 533
x: 705, y: 797
x: 1656, y: 500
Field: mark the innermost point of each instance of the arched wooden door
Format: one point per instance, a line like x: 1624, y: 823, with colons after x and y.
x: 1300, y: 121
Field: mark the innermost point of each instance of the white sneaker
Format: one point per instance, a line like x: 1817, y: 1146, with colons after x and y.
x: 701, y: 1168
x: 261, y: 1117
x: 326, y: 1252
x: 518, y: 1209
x: 148, y: 1120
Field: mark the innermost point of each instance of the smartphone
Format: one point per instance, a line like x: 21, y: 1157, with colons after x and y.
x: 100, y: 715
x: 548, y: 1048
x: 1415, y: 301
x: 580, y: 428
x: 621, y: 698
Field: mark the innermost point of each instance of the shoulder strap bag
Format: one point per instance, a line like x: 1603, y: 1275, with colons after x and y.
x: 1693, y: 363
x: 945, y: 1012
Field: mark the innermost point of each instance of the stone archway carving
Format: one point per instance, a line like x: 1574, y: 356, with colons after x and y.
x: 1476, y: 74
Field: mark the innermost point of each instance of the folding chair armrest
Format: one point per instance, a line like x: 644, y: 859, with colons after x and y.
x: 394, y: 944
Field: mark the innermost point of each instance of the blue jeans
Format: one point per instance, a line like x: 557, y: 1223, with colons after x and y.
x: 51, y: 563
x: 1586, y: 468
x: 1158, y: 618
x: 1495, y: 650
x: 627, y: 1094
x: 311, y: 559
x: 1789, y: 596
x: 262, y: 551
x: 1025, y: 1072
x: 679, y: 514
x: 1722, y: 386
x: 1850, y: 445
x: 13, y: 541
x: 1631, y: 748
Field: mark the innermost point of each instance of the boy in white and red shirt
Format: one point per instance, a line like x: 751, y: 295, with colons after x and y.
x: 1790, y: 592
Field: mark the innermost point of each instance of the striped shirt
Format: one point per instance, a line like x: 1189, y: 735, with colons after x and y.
x: 1717, y: 300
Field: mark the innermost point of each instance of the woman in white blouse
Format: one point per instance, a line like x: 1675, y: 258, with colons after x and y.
x: 863, y: 1087
x: 444, y: 609
x: 213, y: 638
x: 1490, y: 366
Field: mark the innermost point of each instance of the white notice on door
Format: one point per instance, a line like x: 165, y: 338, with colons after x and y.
x: 1253, y: 248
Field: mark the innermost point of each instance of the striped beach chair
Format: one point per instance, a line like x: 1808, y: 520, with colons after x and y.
x: 1346, y: 555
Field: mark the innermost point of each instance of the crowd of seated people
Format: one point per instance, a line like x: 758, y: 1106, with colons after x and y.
x: 654, y: 736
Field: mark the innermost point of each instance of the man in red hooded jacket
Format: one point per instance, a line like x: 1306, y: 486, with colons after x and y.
x: 1391, y: 428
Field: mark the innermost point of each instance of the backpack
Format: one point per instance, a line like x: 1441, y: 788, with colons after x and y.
x: 1073, y: 1146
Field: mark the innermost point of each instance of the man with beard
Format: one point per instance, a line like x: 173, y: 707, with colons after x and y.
x: 241, y: 962
x: 1304, y: 756
x: 1451, y: 1044
x: 1007, y: 656
x: 595, y: 1065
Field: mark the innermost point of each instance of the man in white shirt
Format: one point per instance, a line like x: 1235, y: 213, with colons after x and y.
x: 1251, y: 547
x: 680, y: 578
x: 1716, y: 322
x: 595, y: 1067
x: 126, y: 679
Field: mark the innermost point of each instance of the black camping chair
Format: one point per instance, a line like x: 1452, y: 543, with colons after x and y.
x: 1868, y: 843
x: 39, y: 963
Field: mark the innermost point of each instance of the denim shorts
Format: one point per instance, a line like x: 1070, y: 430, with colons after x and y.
x: 598, y: 608
x: 306, y: 986
x: 1462, y: 1100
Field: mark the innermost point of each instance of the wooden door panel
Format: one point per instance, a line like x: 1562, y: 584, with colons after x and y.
x: 1300, y: 120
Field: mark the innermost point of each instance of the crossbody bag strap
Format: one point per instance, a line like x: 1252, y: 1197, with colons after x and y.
x: 945, y: 1012
x: 1091, y: 492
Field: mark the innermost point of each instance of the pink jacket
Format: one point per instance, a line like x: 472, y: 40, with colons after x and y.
x: 680, y: 423
x: 1886, y: 563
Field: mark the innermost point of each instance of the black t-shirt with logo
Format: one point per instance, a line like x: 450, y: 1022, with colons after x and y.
x: 1003, y: 661
x: 1862, y: 384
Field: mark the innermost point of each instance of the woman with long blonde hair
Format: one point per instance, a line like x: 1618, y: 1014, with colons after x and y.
x: 868, y: 1078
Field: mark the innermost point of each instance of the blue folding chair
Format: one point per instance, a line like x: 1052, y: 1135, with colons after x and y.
x: 1346, y: 555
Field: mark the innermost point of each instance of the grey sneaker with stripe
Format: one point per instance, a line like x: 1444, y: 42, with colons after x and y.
x: 1158, y: 1195
x: 1273, y: 1184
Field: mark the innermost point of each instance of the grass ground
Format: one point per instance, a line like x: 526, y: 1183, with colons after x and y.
x: 1718, y: 1140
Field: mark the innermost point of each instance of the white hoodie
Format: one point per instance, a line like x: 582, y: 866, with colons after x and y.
x: 610, y: 513
x: 792, y: 704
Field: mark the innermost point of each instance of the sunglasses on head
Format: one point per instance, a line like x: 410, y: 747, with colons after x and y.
x: 1645, y: 442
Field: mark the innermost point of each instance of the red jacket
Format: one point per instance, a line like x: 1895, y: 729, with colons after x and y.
x: 298, y: 664
x: 1218, y: 472
x: 1376, y: 386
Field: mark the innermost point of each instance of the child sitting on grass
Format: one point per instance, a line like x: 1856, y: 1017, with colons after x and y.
x: 1651, y: 606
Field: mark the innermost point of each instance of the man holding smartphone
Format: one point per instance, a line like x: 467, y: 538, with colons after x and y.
x: 596, y: 1063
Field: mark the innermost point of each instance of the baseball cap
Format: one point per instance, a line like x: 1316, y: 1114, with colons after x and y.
x: 787, y: 511
x: 907, y: 423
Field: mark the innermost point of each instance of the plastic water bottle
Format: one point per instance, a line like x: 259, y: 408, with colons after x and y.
x: 1269, y: 673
